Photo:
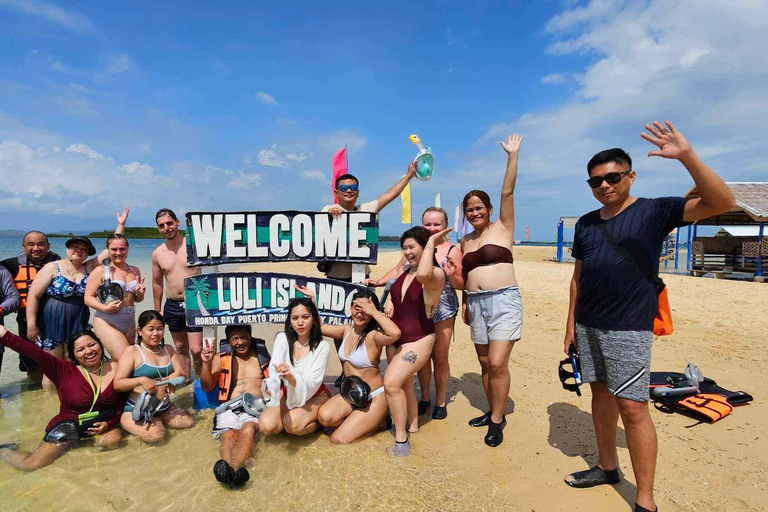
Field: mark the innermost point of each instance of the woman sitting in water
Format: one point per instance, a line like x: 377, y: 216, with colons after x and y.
x: 115, y: 322
x: 493, y: 308
x: 141, y: 366
x: 299, y: 357
x: 413, y: 300
x: 55, y: 303
x: 86, y: 390
x: 448, y: 256
x: 359, y: 353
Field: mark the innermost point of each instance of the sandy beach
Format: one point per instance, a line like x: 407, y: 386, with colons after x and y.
x: 719, y: 325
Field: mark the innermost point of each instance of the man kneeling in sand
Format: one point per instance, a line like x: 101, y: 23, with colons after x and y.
x: 237, y: 372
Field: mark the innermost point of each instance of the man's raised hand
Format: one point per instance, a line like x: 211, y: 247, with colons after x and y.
x: 513, y: 143
x: 671, y: 143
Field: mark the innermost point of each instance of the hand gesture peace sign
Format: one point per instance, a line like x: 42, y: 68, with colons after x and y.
x: 671, y: 143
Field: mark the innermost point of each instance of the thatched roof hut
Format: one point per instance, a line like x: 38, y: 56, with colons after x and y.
x: 751, y: 205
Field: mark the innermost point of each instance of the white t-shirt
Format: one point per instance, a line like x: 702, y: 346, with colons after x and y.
x: 308, y: 371
x: 344, y: 270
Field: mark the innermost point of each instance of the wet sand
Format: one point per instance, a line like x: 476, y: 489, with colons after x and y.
x: 720, y: 325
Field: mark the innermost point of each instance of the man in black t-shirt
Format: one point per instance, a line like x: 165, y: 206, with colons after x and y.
x: 613, y: 301
x: 24, y: 267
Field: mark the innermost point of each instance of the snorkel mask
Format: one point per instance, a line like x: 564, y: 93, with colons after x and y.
x: 355, y: 391
x: 425, y: 162
x: 62, y: 432
x: 108, y: 291
x: 251, y: 404
x: 148, y: 405
x: 574, y: 374
x: 682, y: 386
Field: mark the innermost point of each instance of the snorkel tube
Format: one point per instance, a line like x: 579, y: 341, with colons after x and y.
x: 425, y: 161
x: 108, y: 291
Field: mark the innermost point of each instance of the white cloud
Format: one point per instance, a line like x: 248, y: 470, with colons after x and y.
x: 137, y: 169
x: 119, y: 64
x: 265, y: 98
x: 554, y: 79
x: 315, y: 175
x: 245, y: 180
x: 85, y: 150
x: 272, y: 158
x: 52, y: 13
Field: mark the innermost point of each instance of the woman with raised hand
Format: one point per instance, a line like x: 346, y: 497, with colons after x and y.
x: 448, y: 255
x: 139, y: 370
x: 115, y: 321
x: 414, y: 299
x: 90, y: 404
x: 299, y: 358
x: 492, y: 305
x: 361, y: 408
x: 55, y: 303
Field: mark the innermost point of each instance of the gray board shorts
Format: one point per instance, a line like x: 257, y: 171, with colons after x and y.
x: 495, y: 315
x: 621, y: 359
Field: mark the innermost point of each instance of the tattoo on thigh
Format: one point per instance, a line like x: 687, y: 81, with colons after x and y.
x: 410, y: 357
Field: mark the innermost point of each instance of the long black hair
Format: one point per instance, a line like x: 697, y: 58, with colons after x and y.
x: 146, y: 317
x: 77, y: 335
x: 372, y: 325
x: 315, y: 336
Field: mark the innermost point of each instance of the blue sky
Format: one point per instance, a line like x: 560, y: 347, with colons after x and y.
x: 200, y: 106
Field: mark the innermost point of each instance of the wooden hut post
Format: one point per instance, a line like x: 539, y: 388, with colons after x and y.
x: 689, y: 256
x: 759, y: 270
x: 560, y: 237
x: 677, y: 247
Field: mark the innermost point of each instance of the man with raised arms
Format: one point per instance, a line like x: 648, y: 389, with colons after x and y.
x: 236, y: 373
x: 347, y: 190
x: 169, y: 268
x: 614, y: 298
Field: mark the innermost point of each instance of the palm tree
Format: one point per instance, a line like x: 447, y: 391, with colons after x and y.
x: 200, y: 287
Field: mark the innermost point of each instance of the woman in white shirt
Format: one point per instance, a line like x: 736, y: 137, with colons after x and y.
x: 299, y: 357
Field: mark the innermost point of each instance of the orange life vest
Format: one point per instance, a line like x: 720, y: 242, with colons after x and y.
x: 711, y: 407
x: 225, y: 376
x: 23, y: 280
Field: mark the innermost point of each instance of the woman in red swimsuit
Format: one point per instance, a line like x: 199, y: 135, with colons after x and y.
x: 414, y: 299
x: 85, y: 389
x: 492, y: 306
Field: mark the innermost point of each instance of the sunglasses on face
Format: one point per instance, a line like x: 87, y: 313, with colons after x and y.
x: 611, y: 178
x: 353, y: 188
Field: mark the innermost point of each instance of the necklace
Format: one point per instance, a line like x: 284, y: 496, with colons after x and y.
x: 150, y: 350
x: 95, y: 371
x: 302, y: 345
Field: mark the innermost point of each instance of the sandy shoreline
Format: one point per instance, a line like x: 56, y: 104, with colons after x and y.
x: 709, y: 467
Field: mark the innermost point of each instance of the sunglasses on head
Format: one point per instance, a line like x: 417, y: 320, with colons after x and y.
x: 611, y: 178
x: 353, y: 188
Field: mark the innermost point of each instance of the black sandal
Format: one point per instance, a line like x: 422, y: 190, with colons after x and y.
x: 592, y: 477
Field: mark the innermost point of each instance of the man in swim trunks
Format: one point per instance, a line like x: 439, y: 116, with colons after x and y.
x: 613, y: 301
x: 347, y: 194
x: 24, y: 267
x: 169, y: 267
x: 236, y: 372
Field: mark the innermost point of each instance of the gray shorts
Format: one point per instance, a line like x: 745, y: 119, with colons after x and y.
x: 621, y: 359
x: 495, y: 315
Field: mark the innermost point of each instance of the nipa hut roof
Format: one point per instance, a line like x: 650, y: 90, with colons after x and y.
x: 751, y: 205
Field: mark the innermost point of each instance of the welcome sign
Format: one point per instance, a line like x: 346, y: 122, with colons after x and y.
x: 234, y: 298
x: 215, y: 238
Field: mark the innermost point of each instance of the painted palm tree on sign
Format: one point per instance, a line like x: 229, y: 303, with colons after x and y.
x: 200, y: 287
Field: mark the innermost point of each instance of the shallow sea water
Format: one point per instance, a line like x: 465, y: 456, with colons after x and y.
x: 287, y: 473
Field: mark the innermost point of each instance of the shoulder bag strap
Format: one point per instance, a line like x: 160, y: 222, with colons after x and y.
x: 625, y: 255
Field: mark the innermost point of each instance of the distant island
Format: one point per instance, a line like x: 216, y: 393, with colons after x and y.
x: 138, y: 232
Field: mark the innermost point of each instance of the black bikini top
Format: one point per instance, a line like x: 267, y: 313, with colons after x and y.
x: 488, y: 254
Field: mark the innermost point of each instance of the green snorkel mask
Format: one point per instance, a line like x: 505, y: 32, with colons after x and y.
x: 425, y: 161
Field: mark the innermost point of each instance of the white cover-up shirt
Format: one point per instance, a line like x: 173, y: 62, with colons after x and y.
x: 308, y: 371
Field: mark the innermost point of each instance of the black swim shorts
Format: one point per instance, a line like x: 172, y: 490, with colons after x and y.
x: 174, y: 314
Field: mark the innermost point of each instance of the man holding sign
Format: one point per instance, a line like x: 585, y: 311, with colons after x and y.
x: 347, y: 193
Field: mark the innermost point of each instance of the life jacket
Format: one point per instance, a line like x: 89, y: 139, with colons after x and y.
x: 23, y: 278
x: 259, y: 346
x: 709, y: 407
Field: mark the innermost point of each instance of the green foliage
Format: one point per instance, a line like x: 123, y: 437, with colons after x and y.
x: 147, y: 232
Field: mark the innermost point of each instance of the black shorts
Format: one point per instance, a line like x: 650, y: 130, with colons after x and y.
x: 175, y: 315
x: 26, y: 364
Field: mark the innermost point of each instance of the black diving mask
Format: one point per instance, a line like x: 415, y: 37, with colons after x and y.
x: 355, y: 391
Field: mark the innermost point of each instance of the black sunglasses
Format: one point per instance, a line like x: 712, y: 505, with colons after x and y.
x: 611, y: 178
